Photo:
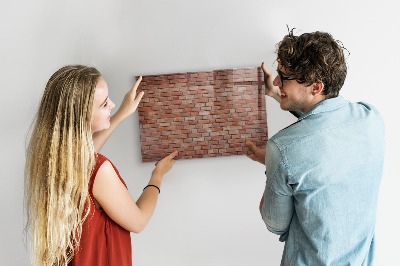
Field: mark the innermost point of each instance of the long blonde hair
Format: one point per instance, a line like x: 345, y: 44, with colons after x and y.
x: 59, y: 161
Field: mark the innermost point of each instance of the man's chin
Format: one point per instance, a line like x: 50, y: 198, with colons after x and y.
x: 285, y: 108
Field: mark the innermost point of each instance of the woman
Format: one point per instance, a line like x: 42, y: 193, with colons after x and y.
x: 78, y: 207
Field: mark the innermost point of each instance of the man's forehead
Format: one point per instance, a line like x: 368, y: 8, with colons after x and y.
x: 283, y: 70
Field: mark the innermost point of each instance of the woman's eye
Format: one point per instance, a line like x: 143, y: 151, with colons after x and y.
x: 105, y: 104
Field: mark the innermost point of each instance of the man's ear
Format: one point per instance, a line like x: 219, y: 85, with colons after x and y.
x: 317, y: 88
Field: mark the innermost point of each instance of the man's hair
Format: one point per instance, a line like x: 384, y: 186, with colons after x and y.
x: 314, y: 57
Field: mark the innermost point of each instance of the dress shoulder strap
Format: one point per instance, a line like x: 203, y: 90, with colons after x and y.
x: 100, y: 159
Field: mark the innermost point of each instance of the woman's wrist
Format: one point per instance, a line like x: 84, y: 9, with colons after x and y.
x: 157, y: 187
x: 118, y: 116
x: 156, y: 178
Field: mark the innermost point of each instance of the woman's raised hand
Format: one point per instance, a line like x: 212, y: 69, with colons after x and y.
x: 131, y: 100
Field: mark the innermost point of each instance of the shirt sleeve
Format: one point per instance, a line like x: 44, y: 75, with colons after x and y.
x: 277, y: 209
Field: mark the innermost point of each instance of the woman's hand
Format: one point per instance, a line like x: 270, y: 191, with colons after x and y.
x: 270, y: 89
x: 131, y: 101
x: 128, y: 107
x: 163, y: 166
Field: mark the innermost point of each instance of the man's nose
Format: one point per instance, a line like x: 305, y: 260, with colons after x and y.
x: 277, y: 81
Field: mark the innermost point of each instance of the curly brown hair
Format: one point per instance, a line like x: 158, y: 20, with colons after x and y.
x: 314, y: 57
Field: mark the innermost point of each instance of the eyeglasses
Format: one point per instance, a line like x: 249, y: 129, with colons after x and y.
x: 282, y: 78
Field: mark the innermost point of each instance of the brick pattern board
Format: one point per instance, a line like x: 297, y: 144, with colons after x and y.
x: 202, y: 114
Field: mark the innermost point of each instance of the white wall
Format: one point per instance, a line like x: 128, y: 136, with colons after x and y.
x: 208, y: 208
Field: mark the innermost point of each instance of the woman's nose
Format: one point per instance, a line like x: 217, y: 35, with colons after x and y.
x: 112, y: 105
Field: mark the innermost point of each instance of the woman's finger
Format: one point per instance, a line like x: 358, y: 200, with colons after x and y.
x: 172, y: 155
x: 139, y: 97
x: 136, y: 85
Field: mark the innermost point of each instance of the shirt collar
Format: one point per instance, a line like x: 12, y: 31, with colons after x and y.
x: 325, y: 106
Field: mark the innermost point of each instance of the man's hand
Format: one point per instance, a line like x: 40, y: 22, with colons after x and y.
x: 257, y: 154
x: 270, y: 89
x: 130, y: 102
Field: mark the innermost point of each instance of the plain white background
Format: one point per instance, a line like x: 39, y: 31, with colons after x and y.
x: 208, y: 208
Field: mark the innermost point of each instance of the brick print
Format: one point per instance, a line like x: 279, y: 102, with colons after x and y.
x: 202, y: 114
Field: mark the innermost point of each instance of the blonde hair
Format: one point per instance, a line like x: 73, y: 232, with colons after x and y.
x: 60, y: 159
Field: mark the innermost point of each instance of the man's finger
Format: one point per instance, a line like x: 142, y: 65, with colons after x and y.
x: 252, y: 156
x: 251, y: 146
x: 265, y: 69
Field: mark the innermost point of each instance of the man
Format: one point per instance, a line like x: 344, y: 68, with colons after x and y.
x: 323, y: 171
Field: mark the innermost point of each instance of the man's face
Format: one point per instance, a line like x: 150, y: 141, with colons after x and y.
x: 294, y: 96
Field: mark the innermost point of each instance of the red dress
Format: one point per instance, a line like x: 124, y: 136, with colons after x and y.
x: 103, y: 241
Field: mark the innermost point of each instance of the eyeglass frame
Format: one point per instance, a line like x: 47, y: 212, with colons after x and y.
x: 282, y: 78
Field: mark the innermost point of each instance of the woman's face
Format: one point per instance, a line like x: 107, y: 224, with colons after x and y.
x: 102, y: 106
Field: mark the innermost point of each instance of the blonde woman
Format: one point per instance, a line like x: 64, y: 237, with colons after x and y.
x: 79, y: 211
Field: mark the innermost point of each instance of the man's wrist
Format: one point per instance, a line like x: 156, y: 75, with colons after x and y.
x: 277, y: 97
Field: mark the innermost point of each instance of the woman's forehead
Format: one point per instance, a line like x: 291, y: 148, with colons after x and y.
x: 101, y: 91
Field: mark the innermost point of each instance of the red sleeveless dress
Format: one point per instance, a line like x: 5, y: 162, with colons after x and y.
x: 103, y: 241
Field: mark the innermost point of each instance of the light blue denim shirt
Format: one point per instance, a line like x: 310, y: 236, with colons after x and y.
x: 323, y: 176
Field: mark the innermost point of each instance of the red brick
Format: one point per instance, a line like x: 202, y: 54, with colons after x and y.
x: 202, y: 109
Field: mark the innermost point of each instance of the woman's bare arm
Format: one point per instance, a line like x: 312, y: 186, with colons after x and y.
x: 117, y: 202
x: 128, y: 107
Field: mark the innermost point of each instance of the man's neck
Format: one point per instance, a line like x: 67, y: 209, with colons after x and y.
x: 316, y: 100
